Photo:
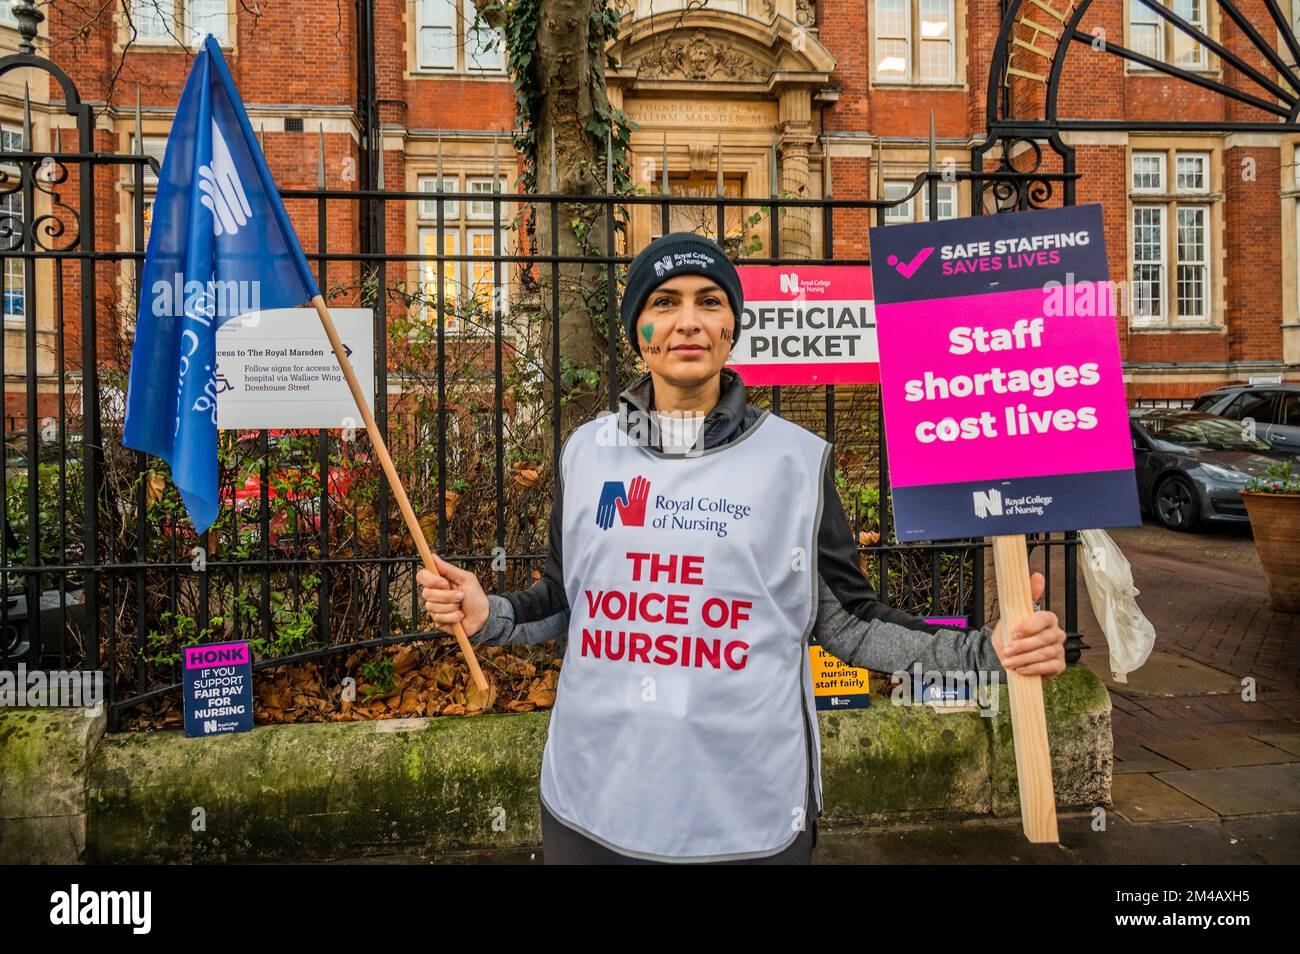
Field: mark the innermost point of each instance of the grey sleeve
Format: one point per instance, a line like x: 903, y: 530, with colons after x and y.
x: 541, y: 612
x: 855, y: 625
x: 888, y: 646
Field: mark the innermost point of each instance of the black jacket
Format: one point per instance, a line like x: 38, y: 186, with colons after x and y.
x: 852, y: 623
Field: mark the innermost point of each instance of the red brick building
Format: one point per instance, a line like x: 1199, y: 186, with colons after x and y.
x: 809, y: 97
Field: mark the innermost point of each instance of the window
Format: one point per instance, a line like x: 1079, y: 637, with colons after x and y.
x: 1193, y: 262
x: 11, y: 216
x: 900, y: 212
x: 449, y: 36
x: 915, y: 41
x: 482, y: 275
x: 1149, y: 172
x: 482, y: 208
x: 947, y: 201
x: 1152, y: 35
x: 1290, y: 415
x: 468, y: 287
x: 450, y: 207
x: 169, y: 21
x: 1171, y: 272
x: 156, y: 147
x: 917, y: 208
x: 1258, y: 406
x: 7, y: 17
x: 451, y: 272
x: 1148, y: 261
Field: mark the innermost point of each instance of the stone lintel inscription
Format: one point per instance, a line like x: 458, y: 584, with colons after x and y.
x: 701, y: 115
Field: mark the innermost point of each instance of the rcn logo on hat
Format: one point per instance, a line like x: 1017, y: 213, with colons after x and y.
x: 677, y: 259
x: 627, y: 503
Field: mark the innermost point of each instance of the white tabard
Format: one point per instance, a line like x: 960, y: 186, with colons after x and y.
x: 684, y: 720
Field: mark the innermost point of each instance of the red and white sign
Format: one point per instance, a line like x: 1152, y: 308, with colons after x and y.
x: 807, y: 324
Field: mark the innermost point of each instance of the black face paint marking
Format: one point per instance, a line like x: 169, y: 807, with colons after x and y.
x: 725, y: 334
x: 652, y: 349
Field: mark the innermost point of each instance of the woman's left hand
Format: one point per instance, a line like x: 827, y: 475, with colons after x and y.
x: 1037, y: 645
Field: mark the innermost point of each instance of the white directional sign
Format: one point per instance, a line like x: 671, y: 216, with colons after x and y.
x: 275, y: 369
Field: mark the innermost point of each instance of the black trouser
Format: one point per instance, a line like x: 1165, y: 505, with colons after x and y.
x: 561, y: 845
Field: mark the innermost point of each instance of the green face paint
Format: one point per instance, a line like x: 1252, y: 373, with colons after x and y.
x: 647, y: 332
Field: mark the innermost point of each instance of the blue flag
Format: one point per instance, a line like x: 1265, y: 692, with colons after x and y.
x: 220, y: 246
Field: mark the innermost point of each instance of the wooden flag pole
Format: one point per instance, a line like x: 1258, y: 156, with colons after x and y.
x: 394, y: 481
x: 1028, y: 718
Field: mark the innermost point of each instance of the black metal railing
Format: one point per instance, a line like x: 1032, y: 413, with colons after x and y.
x: 101, y: 564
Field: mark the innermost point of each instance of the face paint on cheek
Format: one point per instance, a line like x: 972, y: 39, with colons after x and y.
x: 647, y: 332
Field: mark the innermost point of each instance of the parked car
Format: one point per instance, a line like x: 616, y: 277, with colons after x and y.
x: 1191, y: 466
x: 15, y: 451
x: 1275, y: 409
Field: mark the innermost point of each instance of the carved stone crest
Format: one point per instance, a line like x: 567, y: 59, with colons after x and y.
x: 698, y: 57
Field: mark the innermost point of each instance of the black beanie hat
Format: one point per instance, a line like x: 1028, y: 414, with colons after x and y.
x: 679, y: 253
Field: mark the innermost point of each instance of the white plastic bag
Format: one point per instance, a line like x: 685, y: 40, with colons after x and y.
x: 1109, y: 579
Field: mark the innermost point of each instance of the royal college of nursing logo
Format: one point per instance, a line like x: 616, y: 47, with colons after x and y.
x: 627, y: 503
x: 223, y: 192
x: 702, y: 513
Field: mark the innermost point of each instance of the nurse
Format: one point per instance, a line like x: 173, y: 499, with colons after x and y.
x: 689, y: 734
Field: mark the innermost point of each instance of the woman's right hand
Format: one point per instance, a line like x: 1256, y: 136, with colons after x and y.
x: 453, y: 597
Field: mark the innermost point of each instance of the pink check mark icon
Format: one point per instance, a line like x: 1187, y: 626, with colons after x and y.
x: 908, y: 269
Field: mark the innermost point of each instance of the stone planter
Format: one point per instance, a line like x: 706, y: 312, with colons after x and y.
x: 1275, y: 521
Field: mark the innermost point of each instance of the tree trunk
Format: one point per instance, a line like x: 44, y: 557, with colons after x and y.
x: 573, y: 87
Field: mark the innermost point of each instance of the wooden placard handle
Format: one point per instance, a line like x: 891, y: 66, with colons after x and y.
x: 394, y: 481
x: 1028, y: 717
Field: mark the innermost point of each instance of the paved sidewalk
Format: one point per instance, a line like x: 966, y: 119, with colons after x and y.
x: 1193, y: 745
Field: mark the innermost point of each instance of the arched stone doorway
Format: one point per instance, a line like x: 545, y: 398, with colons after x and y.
x: 722, y: 97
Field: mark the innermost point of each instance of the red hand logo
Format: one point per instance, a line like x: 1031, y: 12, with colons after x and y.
x: 632, y: 513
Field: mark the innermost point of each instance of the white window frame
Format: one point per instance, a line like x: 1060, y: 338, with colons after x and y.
x: 906, y: 40
x: 15, y: 274
x: 950, y: 43
x: 449, y: 28
x: 1202, y: 24
x: 460, y: 59
x: 1203, y: 263
x: 1155, y: 22
x: 453, y: 273
x: 1162, y: 158
x: 913, y: 45
x: 899, y: 214
x: 493, y: 60
x: 181, y: 25
x: 1172, y: 198
x: 1160, y: 316
x: 155, y: 146
x: 1204, y: 158
x: 1167, y: 35
x: 191, y: 30
x: 944, y: 187
x: 476, y: 211
x: 486, y: 268
x: 428, y: 208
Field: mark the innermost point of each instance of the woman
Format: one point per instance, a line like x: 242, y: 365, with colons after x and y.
x: 696, y: 542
